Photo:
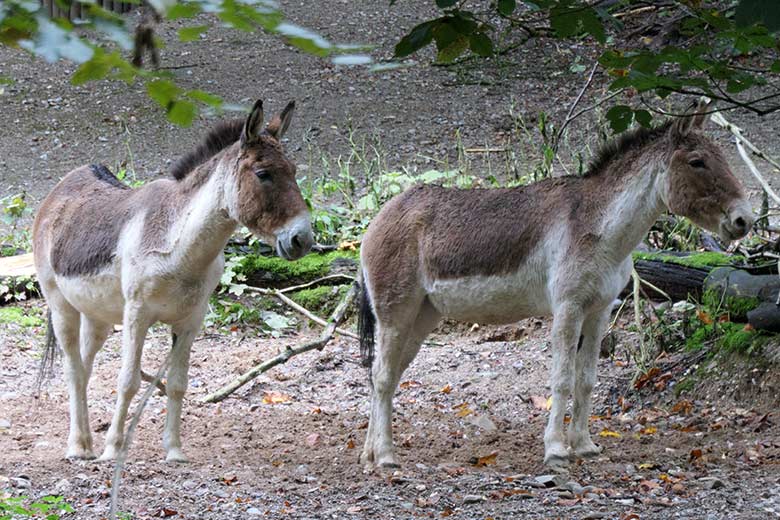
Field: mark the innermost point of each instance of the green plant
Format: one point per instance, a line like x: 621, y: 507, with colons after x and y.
x: 320, y: 300
x: 30, y: 317
x: 48, y: 507
x: 129, y: 178
x: 13, y: 208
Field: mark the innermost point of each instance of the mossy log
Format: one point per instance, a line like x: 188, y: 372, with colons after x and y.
x: 275, y: 272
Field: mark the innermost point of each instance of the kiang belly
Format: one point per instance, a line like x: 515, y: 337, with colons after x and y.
x: 490, y: 299
x: 97, y: 296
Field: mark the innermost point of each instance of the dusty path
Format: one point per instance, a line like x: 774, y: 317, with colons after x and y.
x: 469, y: 425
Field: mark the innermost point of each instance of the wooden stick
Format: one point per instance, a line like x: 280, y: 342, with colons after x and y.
x: 335, y: 318
x: 128, y: 436
x: 287, y: 301
x: 149, y: 378
x: 318, y: 281
x: 740, y: 140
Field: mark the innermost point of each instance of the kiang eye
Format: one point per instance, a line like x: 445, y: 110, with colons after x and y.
x: 697, y: 163
x: 263, y: 175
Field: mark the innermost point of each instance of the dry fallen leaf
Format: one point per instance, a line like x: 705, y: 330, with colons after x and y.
x: 649, y: 430
x: 683, y: 407
x: 446, y: 389
x: 276, y: 398
x: 487, y: 460
x: 609, y: 433
x: 410, y: 384
x: 463, y: 410
x: 704, y: 317
x: 696, y: 454
x: 350, y: 444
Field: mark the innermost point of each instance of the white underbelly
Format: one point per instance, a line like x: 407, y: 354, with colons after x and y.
x: 490, y: 299
x: 98, y: 296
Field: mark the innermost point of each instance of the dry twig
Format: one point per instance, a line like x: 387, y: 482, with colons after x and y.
x: 335, y: 318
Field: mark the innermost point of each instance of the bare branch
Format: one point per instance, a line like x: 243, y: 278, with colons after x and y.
x: 335, y: 319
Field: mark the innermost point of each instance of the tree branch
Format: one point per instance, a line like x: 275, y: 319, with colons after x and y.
x: 335, y: 319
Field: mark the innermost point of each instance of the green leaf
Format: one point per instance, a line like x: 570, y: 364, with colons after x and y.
x: 762, y: 11
x: 453, y: 50
x: 189, y: 34
x: 95, y: 68
x: 420, y: 36
x: 182, y: 113
x: 567, y: 22
x: 506, y: 7
x: 182, y: 10
x: 776, y: 66
x: 643, y: 117
x: 205, y: 98
x: 480, y: 43
x: 444, y: 4
x: 163, y: 92
x: 620, y: 117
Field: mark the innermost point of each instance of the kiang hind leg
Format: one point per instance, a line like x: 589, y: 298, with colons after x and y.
x: 398, y: 342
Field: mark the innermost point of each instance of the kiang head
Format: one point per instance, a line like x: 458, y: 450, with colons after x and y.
x: 267, y: 198
x: 700, y: 184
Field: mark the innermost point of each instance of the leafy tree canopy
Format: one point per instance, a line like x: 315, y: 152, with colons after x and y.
x: 100, y: 40
x: 719, y: 49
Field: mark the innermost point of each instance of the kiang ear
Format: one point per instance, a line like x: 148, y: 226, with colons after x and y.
x: 695, y: 117
x: 703, y: 112
x: 253, y: 125
x: 278, y: 125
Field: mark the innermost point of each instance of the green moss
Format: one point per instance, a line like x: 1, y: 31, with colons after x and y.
x: 736, y: 306
x: 7, y: 251
x: 736, y: 339
x: 229, y: 313
x: 25, y: 317
x: 727, y: 336
x: 306, y: 268
x: 705, y: 260
x: 685, y: 385
x: 322, y: 300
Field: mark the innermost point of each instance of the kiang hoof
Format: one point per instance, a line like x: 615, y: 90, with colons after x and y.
x: 176, y: 457
x: 80, y: 455
x: 588, y: 452
x: 557, y: 460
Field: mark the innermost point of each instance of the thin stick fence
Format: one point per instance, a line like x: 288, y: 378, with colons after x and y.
x: 53, y: 9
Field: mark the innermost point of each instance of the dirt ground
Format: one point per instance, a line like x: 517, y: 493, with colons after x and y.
x: 468, y: 425
x: 470, y: 414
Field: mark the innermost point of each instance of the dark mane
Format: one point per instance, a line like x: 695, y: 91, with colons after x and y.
x: 220, y: 137
x: 624, y: 142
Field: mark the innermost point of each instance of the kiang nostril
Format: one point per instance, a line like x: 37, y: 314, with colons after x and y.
x: 740, y: 223
x: 296, y: 242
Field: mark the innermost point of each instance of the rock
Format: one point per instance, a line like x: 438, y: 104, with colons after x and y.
x: 574, y: 487
x: 593, y: 516
x: 566, y: 495
x: 483, y: 422
x: 550, y: 481
x: 62, y: 485
x: 712, y: 482
x: 254, y: 511
x: 21, y: 482
x: 5, y: 424
x: 473, y: 499
x: 625, y: 501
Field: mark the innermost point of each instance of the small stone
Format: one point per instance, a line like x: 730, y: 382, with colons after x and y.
x: 21, y: 482
x: 592, y: 496
x: 574, y: 487
x: 594, y: 516
x: 712, y: 482
x: 189, y: 484
x: 62, y: 485
x: 254, y: 511
x: 550, y: 481
x: 566, y: 495
x: 5, y: 424
x: 420, y: 487
x: 483, y: 422
x: 625, y: 501
x: 473, y: 499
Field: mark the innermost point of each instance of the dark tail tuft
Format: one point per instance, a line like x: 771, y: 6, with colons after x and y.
x: 366, y: 326
x: 46, y: 368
